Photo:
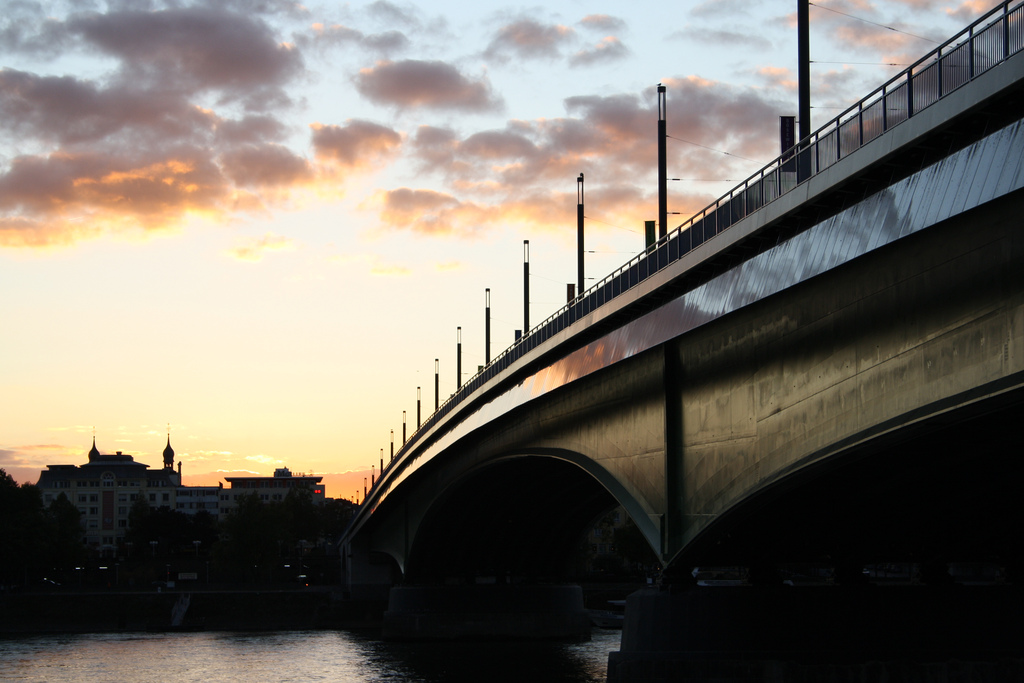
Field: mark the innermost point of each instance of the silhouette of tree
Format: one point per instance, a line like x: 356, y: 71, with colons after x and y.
x: 23, y: 539
x: 65, y: 533
x: 302, y: 517
x: 251, y: 538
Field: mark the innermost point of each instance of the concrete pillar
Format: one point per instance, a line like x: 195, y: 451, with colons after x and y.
x: 489, y: 611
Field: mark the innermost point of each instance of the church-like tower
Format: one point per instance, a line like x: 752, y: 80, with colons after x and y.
x: 168, y: 455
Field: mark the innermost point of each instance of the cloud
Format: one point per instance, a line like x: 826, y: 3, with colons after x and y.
x: 67, y: 111
x: 778, y: 77
x: 430, y: 212
x: 195, y: 49
x: 528, y: 39
x: 390, y: 271
x: 391, y: 14
x: 427, y: 84
x: 969, y: 10
x: 525, y: 172
x: 110, y: 189
x: 255, y: 249
x: 608, y: 49
x: 385, y: 43
x: 25, y: 462
x: 356, y: 144
x: 132, y: 150
x: 25, y: 29
x: 265, y: 166
x: 264, y: 460
x: 603, y: 23
x: 721, y: 37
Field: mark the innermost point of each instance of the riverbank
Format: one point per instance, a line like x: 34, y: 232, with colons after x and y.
x: 216, y: 609
x: 234, y: 610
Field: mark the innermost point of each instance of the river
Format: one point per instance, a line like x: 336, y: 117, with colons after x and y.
x: 342, y: 656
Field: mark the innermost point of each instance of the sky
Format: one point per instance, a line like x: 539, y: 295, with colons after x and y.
x: 253, y: 225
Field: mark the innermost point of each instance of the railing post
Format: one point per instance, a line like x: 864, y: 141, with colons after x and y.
x: 970, y: 54
x: 885, y: 108
x: 938, y: 65
x: 910, y: 92
x: 1006, y: 30
x: 860, y: 123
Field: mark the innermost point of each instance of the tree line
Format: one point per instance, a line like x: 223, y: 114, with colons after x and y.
x: 38, y: 541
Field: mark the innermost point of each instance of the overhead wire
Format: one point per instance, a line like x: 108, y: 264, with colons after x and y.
x: 874, y: 23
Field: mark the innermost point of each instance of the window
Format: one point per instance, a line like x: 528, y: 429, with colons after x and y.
x: 167, y: 497
x: 122, y: 523
x: 94, y: 511
x: 152, y: 498
x: 82, y: 498
x: 122, y: 497
x: 122, y: 510
x: 94, y: 497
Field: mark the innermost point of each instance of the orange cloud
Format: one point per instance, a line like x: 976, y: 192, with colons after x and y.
x: 355, y: 144
x: 255, y: 249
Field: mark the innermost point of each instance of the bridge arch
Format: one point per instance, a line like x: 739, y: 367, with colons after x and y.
x: 521, y: 515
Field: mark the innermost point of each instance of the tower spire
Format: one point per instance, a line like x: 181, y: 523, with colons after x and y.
x: 168, y: 451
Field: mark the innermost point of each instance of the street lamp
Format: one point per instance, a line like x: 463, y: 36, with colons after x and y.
x: 196, y: 544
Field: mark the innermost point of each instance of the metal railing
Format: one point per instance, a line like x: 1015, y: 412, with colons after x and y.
x: 987, y: 42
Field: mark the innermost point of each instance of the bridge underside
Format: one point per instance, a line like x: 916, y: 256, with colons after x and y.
x: 521, y: 517
x: 940, y: 491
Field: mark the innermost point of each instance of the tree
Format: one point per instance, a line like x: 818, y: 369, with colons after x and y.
x: 23, y: 538
x: 65, y: 533
x: 251, y: 537
x: 302, y: 517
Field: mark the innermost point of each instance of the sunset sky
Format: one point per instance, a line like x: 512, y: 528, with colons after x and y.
x: 259, y: 223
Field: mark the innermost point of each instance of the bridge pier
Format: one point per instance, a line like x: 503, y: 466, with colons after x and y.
x: 754, y: 633
x: 486, y: 612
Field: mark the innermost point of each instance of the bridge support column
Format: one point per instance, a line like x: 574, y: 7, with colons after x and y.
x: 366, y: 576
x: 486, y: 612
x: 755, y: 633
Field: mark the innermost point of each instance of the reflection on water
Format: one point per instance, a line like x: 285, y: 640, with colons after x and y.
x: 296, y: 656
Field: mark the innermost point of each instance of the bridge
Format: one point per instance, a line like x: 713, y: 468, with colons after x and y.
x: 821, y: 373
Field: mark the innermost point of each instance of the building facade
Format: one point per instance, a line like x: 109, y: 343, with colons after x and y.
x: 104, y: 489
x: 271, y: 489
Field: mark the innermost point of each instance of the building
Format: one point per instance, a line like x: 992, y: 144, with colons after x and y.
x: 104, y: 489
x: 192, y: 499
x: 271, y: 489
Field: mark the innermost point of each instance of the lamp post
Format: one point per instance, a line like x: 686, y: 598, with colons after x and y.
x: 197, y: 544
x: 579, y: 235
x: 487, y: 326
x: 458, y: 358
x: 526, y: 287
x: 662, y: 164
